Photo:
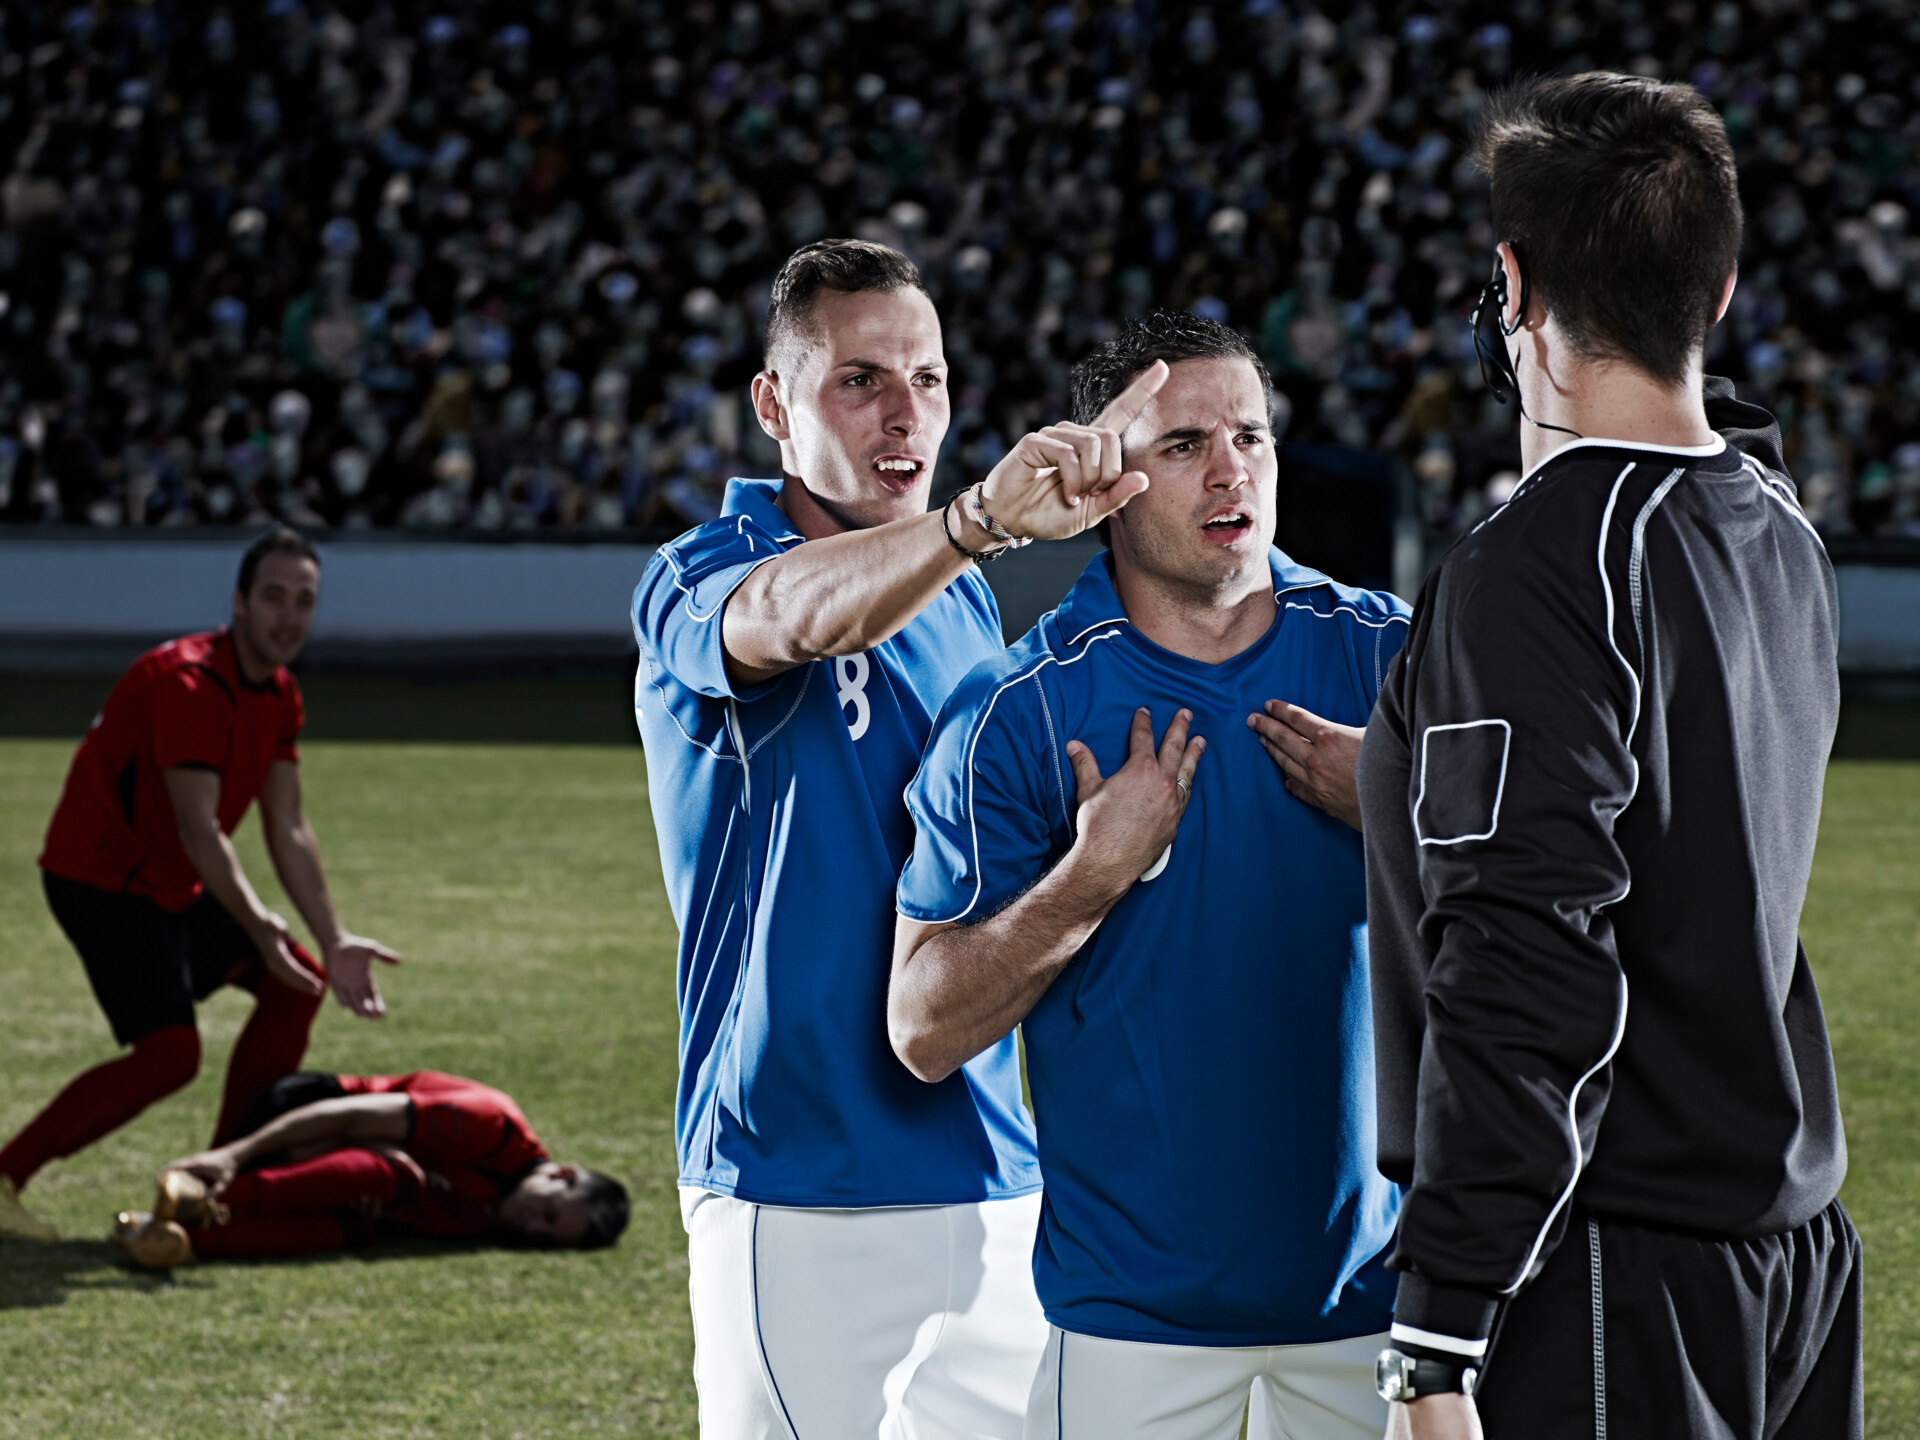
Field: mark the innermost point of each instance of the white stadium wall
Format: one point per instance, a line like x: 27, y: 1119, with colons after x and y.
x: 82, y: 601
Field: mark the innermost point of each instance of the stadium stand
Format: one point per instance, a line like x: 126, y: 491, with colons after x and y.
x: 503, y: 266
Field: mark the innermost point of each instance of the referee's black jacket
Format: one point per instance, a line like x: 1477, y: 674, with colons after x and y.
x: 1590, y: 793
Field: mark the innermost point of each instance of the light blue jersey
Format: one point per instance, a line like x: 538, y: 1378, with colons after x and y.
x: 782, y: 829
x: 1202, y: 1071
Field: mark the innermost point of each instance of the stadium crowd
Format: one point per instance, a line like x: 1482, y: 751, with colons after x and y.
x: 504, y: 265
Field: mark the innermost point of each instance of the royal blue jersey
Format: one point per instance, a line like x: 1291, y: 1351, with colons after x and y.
x: 1202, y: 1071
x: 783, y: 826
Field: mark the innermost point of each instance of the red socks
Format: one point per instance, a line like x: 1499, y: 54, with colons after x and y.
x: 286, y: 1210
x: 104, y: 1099
x: 271, y: 1045
x: 337, y: 1180
x: 273, y: 1042
x: 265, y: 1235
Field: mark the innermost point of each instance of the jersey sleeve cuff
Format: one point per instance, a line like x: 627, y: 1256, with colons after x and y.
x: 1450, y: 1322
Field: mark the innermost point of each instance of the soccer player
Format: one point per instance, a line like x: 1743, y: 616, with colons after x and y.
x: 1591, y: 791
x: 142, y: 877
x: 325, y: 1162
x: 858, y: 1242
x: 1179, y: 938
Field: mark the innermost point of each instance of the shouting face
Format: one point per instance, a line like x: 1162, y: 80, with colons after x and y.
x: 860, y: 404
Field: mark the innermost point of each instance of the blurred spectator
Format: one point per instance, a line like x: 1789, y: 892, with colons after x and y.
x: 504, y: 265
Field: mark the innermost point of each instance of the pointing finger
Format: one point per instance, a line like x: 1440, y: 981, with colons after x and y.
x: 1128, y: 404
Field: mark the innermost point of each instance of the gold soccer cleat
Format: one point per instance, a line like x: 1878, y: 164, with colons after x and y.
x: 183, y: 1196
x: 151, y: 1243
x: 16, y: 1221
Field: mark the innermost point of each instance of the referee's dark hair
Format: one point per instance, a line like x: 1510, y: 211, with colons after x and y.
x: 1619, y: 194
x: 850, y: 266
x: 280, y: 540
x: 607, y: 1210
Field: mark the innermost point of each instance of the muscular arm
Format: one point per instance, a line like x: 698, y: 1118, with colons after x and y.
x: 316, y: 1128
x: 296, y: 858
x: 957, y: 989
x: 195, y: 794
x: 842, y: 594
x: 846, y: 593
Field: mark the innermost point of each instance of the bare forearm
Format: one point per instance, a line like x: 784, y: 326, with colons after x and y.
x: 839, y: 595
x: 962, y: 989
x: 349, y: 1119
x: 218, y: 864
x: 296, y: 858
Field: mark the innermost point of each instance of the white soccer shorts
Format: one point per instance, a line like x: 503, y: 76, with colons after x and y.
x: 1093, y: 1389
x: 900, y: 1324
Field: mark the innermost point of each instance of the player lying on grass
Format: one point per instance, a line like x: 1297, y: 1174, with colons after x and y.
x: 1592, y: 790
x: 858, y: 1242
x: 1180, y: 939
x: 142, y: 877
x: 327, y: 1162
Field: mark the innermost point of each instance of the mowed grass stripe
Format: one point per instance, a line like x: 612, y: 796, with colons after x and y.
x: 523, y: 886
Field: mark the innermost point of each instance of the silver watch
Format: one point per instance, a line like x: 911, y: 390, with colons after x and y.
x: 1399, y: 1376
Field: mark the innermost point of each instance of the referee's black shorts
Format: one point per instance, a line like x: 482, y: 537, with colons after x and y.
x: 1634, y: 1333
x: 147, y: 965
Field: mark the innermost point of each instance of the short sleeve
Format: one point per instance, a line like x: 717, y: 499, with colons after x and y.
x: 192, y: 720
x: 988, y: 805
x: 678, y: 603
x: 455, y: 1131
x: 1379, y: 623
x: 293, y: 720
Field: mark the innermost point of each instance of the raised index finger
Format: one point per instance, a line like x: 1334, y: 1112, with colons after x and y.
x: 1128, y: 404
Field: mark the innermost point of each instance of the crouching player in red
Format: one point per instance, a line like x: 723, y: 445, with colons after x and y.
x: 142, y: 877
x: 326, y: 1162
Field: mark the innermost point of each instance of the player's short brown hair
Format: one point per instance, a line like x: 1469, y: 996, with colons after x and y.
x: 1620, y: 197
x: 849, y: 266
x: 280, y: 540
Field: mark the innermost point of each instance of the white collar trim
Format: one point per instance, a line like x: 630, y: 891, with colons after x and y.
x: 1719, y: 444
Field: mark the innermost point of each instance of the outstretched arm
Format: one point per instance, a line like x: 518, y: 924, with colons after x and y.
x: 195, y: 793
x: 847, y: 593
x: 324, y: 1125
x: 296, y: 857
x: 956, y: 990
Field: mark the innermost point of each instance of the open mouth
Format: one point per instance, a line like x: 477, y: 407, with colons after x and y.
x: 899, y: 473
x: 1225, y: 529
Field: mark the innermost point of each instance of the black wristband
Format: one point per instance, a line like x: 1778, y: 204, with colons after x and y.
x: 976, y: 556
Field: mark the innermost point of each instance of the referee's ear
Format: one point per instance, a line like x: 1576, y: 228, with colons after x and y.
x: 1726, y: 294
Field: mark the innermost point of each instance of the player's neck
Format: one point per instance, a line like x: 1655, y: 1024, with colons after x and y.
x: 1211, y: 626
x: 816, y: 517
x: 254, y: 668
x: 1601, y: 400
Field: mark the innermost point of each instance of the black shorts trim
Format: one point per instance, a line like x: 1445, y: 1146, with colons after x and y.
x: 289, y: 1092
x: 147, y: 965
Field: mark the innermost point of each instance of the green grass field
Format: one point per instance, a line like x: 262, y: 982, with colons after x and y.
x: 522, y: 884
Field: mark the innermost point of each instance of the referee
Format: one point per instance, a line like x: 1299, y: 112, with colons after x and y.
x: 1591, y: 790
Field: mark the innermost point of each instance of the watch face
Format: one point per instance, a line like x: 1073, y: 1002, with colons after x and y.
x: 1392, y: 1375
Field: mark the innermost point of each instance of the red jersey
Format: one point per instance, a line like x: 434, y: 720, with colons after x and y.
x: 185, y: 703
x: 470, y: 1139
